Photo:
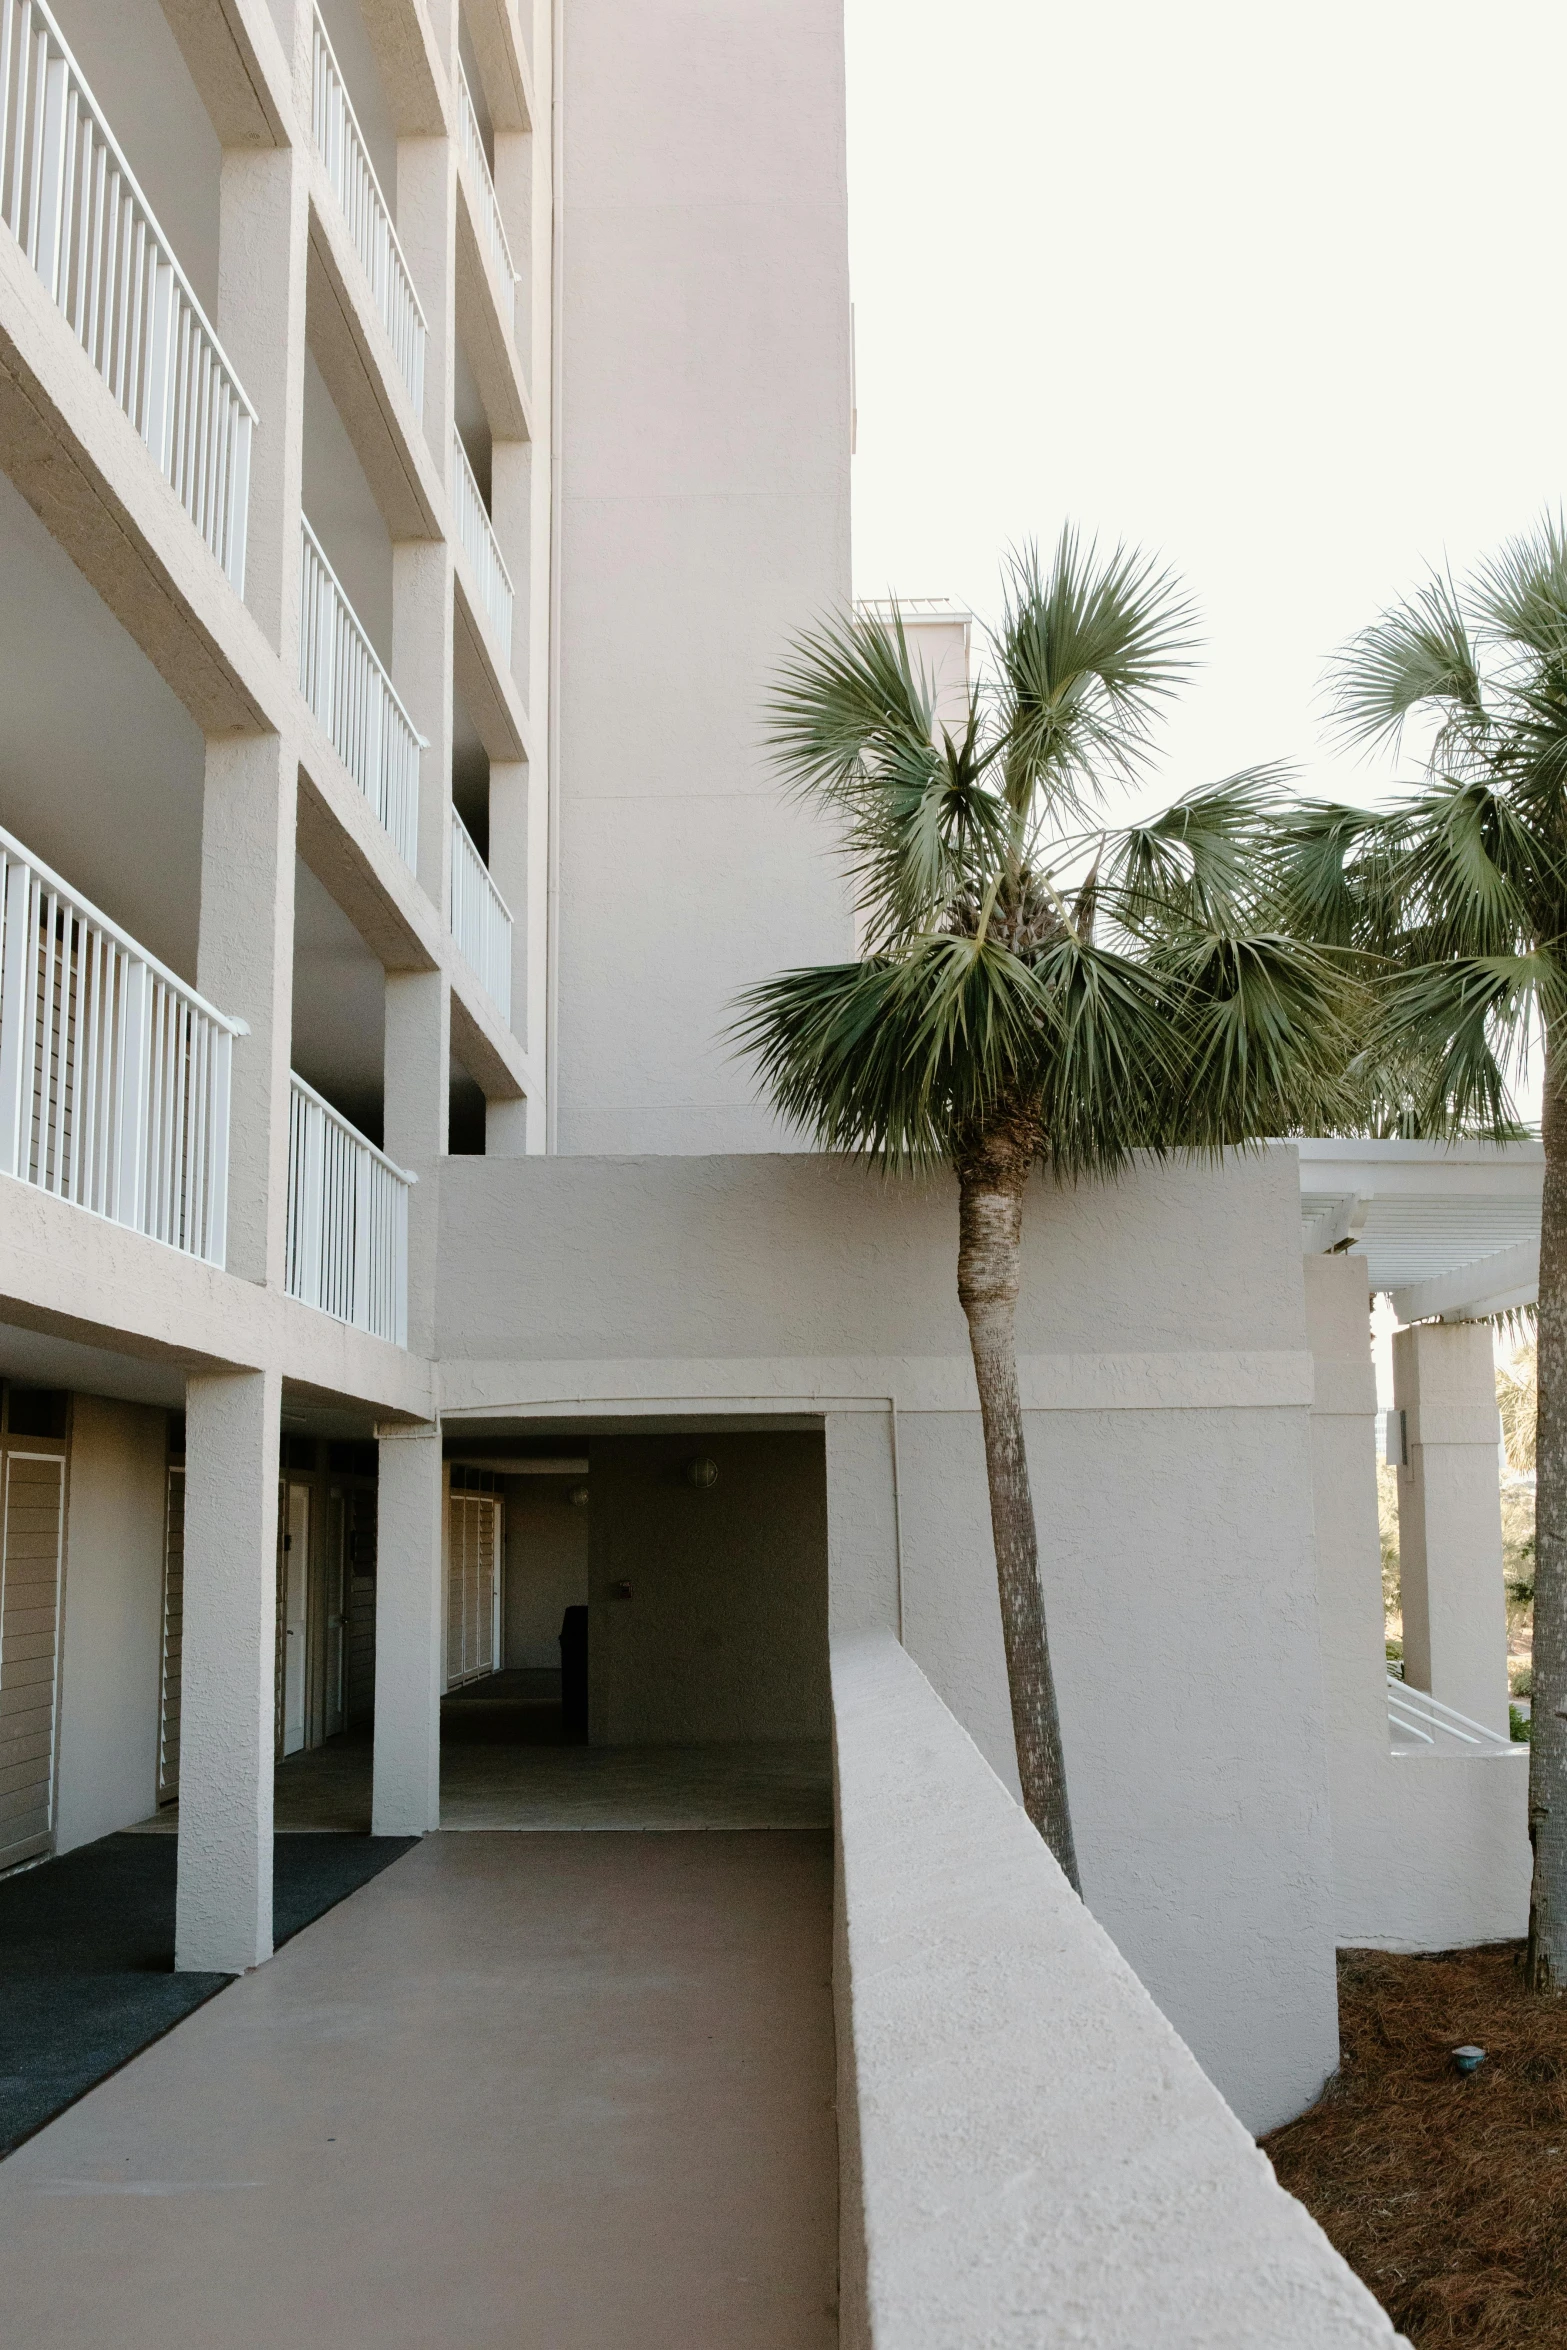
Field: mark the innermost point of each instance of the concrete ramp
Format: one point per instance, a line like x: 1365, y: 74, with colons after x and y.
x: 522, y: 2092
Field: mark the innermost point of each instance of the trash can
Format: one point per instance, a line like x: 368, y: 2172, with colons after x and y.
x: 574, y: 1674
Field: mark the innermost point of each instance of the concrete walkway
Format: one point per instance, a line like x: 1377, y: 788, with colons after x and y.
x: 546, y: 2092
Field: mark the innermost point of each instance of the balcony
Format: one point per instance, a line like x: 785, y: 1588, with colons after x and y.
x: 114, y: 1075
x: 477, y: 534
x: 70, y: 199
x: 471, y: 140
x: 342, y: 678
x: 481, y: 920
x: 347, y: 1250
x: 367, y: 216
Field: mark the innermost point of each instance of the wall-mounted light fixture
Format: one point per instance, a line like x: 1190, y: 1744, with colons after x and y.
x: 701, y: 1473
x: 579, y: 1497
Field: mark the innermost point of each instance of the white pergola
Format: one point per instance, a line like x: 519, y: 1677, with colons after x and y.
x: 1448, y: 1229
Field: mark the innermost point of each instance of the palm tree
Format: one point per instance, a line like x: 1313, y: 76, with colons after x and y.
x: 1033, y: 986
x: 1457, y: 896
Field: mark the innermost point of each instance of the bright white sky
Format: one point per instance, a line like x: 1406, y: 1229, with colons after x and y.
x: 1276, y: 290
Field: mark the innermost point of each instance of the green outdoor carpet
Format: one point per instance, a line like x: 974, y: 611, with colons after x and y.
x: 87, y: 1957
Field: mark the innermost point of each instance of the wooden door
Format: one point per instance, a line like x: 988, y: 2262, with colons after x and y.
x: 32, y: 1557
x: 361, y: 1604
x: 294, y: 1583
x: 173, y: 1636
x: 472, y: 1586
x: 334, y: 1692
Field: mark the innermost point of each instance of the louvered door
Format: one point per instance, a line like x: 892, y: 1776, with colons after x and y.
x: 472, y: 1551
x: 32, y: 1536
x: 173, y: 1636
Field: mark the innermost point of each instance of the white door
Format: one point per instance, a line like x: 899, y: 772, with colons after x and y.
x: 472, y: 1586
x: 296, y: 1586
x: 335, y: 1692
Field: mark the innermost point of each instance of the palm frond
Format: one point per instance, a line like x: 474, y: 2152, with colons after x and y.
x: 852, y: 727
x: 1462, y: 1027
x: 1089, y: 647
x: 1268, y: 1025
x: 1419, y: 653
x: 1200, y: 860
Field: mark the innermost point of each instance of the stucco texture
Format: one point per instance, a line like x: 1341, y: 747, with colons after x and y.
x: 1168, y: 1386
x: 708, y: 1609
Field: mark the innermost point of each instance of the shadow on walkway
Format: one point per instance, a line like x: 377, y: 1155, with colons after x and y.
x: 87, y: 1957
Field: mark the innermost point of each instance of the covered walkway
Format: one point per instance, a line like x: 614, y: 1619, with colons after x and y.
x: 548, y: 2091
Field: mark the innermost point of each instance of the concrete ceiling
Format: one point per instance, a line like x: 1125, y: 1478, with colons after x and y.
x: 1444, y: 1229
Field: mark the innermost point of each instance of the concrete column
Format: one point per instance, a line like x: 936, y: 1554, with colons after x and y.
x: 223, y: 1918
x: 511, y: 515
x: 409, y: 1612
x: 263, y: 245
x: 863, y: 1573
x: 1449, y: 1518
x: 417, y: 1098
x: 244, y: 965
x: 422, y: 573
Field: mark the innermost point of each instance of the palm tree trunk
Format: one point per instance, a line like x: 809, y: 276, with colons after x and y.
x: 1546, y: 1960
x: 992, y: 1176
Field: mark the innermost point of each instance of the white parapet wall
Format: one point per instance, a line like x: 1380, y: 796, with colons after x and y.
x: 1430, y: 1847
x: 1030, y: 2154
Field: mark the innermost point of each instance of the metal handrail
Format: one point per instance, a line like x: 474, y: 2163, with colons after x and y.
x: 347, y: 687
x: 473, y: 149
x: 1410, y: 1708
x: 477, y: 533
x: 115, y: 1076
x: 347, y: 1238
x: 481, y: 921
x: 368, y: 216
x: 74, y: 205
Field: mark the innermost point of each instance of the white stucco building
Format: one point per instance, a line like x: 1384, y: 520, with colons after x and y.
x: 422, y: 425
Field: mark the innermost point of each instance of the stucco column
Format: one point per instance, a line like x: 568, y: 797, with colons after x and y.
x: 863, y: 1568
x: 263, y: 244
x: 223, y: 1916
x: 408, y: 1626
x: 418, y: 1108
x: 1449, y: 1518
x: 244, y: 965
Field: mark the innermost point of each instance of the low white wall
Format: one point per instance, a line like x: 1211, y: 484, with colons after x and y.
x: 113, y: 1633
x: 1030, y: 2154
x: 1431, y: 1852
x: 1167, y: 1390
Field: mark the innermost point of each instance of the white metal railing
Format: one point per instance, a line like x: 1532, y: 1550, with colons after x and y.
x: 347, y: 1220
x: 1414, y: 1715
x: 473, y: 150
x: 114, y: 1075
x: 70, y: 199
x: 481, y: 919
x: 368, y: 215
x: 341, y: 677
x: 477, y: 533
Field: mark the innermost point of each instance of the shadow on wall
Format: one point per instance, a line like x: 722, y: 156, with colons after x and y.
x: 707, y: 1589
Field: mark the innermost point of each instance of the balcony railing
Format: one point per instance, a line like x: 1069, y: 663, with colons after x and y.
x: 367, y: 214
x: 114, y: 1075
x: 341, y: 677
x: 477, y: 533
x: 473, y: 151
x: 347, y: 1221
x: 481, y: 920
x: 70, y: 199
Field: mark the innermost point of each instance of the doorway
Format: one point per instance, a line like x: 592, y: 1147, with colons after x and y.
x: 293, y: 1583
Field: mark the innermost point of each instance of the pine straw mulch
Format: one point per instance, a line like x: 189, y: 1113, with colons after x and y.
x: 1447, y: 2195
